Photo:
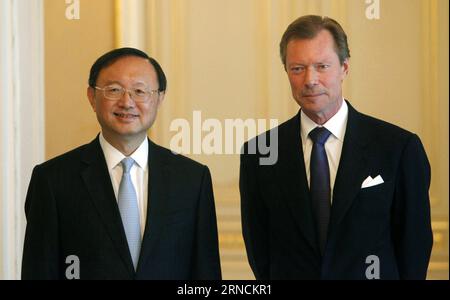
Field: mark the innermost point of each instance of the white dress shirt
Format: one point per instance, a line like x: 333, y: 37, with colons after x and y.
x: 138, y: 172
x: 333, y: 146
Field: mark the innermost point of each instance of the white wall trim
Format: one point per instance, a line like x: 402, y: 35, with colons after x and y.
x: 22, y: 136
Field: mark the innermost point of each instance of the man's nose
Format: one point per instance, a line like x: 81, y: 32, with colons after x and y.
x: 126, y: 100
x: 311, y: 77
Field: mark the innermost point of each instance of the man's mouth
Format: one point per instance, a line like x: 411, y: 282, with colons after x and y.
x: 313, y: 95
x: 126, y: 115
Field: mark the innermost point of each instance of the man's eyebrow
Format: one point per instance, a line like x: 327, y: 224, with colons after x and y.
x: 139, y: 82
x: 112, y: 82
x: 296, y: 64
x: 319, y: 62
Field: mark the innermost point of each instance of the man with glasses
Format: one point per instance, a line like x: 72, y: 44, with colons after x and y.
x: 121, y: 207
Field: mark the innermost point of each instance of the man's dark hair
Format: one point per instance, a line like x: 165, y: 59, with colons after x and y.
x: 307, y: 27
x: 109, y: 58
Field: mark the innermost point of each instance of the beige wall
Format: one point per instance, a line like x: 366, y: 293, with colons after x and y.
x: 71, y: 47
x: 221, y: 57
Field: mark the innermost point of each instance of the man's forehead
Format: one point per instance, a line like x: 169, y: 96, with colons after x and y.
x: 318, y: 48
x: 128, y: 66
x: 312, y: 58
x: 323, y: 38
x: 135, y: 82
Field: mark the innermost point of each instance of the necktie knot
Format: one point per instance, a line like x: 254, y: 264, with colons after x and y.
x: 319, y: 135
x: 127, y: 163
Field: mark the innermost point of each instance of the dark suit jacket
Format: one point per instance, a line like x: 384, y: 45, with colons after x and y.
x: 71, y: 210
x: 390, y: 220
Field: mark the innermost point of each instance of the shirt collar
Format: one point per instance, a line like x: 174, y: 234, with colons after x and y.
x: 336, y: 125
x: 113, y: 156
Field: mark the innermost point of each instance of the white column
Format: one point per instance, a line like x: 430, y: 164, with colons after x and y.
x: 130, y: 27
x: 21, y: 120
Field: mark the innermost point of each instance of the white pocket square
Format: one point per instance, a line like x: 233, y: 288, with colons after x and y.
x: 369, y: 181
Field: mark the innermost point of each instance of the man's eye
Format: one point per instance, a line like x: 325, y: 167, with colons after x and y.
x: 113, y: 89
x: 140, y: 92
x: 323, y: 67
x: 297, y: 69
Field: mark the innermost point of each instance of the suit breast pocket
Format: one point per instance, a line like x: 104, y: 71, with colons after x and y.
x: 375, y: 201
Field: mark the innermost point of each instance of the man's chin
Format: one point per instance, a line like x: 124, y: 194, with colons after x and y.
x: 312, y: 104
x: 129, y: 133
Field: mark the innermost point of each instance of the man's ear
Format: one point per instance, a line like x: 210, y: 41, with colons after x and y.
x: 345, y: 67
x: 161, y: 98
x: 91, y: 96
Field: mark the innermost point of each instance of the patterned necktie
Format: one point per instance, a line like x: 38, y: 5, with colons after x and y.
x: 320, y: 184
x: 129, y: 211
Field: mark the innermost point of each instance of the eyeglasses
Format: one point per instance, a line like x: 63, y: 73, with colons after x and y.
x: 138, y: 94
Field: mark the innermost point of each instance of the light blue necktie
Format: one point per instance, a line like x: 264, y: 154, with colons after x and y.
x: 129, y: 211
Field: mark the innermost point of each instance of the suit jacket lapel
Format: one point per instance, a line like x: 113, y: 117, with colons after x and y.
x: 97, y: 180
x: 352, y: 168
x: 158, y: 194
x: 291, y: 169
